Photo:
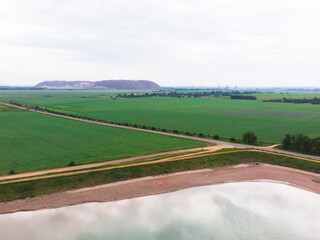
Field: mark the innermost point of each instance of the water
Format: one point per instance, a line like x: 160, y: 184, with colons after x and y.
x: 251, y: 210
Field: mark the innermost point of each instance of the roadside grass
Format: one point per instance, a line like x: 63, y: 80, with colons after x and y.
x: 224, y: 117
x: 31, y: 142
x: 4, y: 108
x: 9, y: 192
x: 100, y: 168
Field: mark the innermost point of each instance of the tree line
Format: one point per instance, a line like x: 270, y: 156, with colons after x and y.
x: 191, y: 94
x: 291, y: 100
x: 302, y: 143
x: 243, y: 97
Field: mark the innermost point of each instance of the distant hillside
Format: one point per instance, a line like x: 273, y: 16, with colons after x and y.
x: 104, y: 84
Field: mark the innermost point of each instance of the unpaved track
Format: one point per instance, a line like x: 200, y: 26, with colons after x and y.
x: 169, y: 159
x: 172, y: 134
x: 101, y: 164
x: 167, y: 183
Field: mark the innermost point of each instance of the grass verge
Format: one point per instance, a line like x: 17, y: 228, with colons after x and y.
x: 9, y: 192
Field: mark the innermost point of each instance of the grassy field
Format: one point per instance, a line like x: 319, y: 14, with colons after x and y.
x: 224, y: 117
x: 22, y: 190
x: 302, y: 95
x: 31, y: 141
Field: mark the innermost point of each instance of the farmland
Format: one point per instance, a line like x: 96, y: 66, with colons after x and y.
x: 31, y: 141
x: 220, y: 116
x: 58, y: 184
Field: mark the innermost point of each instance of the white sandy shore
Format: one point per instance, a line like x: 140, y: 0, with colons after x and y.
x: 168, y: 183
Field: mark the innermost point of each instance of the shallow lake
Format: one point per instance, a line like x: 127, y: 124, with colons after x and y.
x: 247, y: 210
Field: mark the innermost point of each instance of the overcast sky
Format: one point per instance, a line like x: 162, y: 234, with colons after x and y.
x: 171, y: 42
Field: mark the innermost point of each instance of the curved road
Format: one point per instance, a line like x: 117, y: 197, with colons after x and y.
x: 171, y: 134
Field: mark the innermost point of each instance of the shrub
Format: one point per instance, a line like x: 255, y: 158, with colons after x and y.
x: 215, y: 137
x: 232, y: 139
x: 71, y: 163
x: 249, y: 138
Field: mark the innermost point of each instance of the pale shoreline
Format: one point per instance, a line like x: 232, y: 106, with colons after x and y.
x: 168, y: 183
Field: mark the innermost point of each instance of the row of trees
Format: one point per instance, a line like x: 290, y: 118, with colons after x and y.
x: 243, y: 97
x: 190, y: 94
x: 291, y: 100
x: 302, y: 143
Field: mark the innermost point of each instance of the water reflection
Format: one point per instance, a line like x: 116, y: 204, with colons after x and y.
x: 228, y: 211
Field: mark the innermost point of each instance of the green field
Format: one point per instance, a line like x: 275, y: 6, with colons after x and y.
x: 272, y: 96
x: 31, y: 141
x: 224, y: 117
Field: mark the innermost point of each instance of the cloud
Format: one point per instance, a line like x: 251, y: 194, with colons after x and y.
x: 171, y: 42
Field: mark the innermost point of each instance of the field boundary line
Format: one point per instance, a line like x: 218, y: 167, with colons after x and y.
x: 170, y: 134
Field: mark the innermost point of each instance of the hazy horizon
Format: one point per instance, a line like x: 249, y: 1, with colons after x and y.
x: 176, y: 43
x: 183, y: 86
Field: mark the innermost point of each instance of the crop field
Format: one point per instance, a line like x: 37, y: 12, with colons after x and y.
x: 224, y: 117
x: 31, y: 141
x: 270, y: 96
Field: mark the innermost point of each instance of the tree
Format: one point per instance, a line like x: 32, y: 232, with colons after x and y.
x: 286, y: 142
x: 249, y: 138
x: 216, y: 137
x: 232, y: 139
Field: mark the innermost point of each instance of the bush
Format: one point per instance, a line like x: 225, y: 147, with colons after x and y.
x: 215, y: 137
x: 11, y: 172
x: 249, y: 138
x: 72, y: 163
x: 232, y: 139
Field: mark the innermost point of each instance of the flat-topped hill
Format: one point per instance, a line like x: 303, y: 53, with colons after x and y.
x: 104, y: 84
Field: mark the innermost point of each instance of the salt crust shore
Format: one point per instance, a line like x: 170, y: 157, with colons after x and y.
x: 168, y: 183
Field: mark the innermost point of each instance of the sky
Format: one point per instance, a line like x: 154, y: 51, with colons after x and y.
x: 172, y: 42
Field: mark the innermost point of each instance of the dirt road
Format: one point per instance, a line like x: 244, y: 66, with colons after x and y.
x: 167, y: 183
x: 101, y: 164
x: 57, y: 173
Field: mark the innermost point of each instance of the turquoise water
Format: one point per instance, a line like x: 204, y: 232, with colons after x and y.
x: 250, y: 210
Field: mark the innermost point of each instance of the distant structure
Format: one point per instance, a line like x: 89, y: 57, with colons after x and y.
x: 104, y: 84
